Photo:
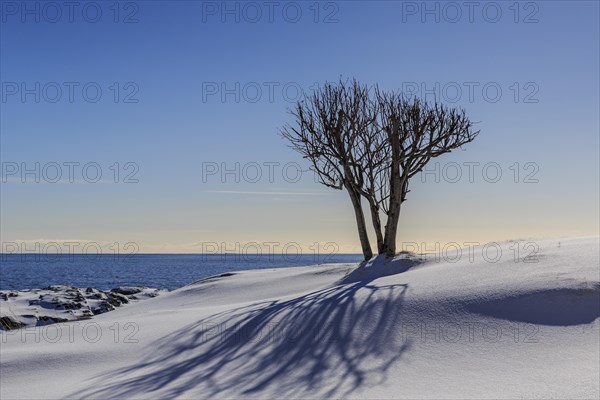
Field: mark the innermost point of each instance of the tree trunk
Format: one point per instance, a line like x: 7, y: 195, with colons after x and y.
x: 377, y: 226
x: 398, y: 188
x: 395, y: 199
x: 360, y: 222
x: 391, y: 228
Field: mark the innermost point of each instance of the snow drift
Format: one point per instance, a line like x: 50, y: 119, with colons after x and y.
x: 415, y: 327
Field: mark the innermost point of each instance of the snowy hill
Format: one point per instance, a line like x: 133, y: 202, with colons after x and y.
x: 519, y: 326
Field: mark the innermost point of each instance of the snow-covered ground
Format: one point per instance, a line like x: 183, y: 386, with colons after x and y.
x: 419, y: 327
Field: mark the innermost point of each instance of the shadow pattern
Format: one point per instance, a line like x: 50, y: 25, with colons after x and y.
x: 328, y: 343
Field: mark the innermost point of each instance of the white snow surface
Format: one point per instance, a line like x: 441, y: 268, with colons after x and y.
x: 417, y: 327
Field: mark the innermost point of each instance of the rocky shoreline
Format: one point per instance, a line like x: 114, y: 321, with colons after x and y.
x: 61, y: 303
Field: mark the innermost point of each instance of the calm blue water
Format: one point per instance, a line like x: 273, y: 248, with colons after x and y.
x: 166, y: 271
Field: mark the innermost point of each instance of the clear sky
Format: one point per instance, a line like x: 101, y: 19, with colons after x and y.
x: 176, y: 92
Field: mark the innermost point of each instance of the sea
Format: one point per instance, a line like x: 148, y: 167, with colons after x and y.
x: 163, y: 271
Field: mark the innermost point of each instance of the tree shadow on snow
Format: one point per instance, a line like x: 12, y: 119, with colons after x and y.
x: 326, y: 343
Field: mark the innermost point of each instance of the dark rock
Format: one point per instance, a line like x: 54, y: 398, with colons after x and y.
x: 46, y: 318
x: 127, y: 290
x: 102, y: 308
x: 71, y: 305
x: 9, y: 323
x: 116, y: 299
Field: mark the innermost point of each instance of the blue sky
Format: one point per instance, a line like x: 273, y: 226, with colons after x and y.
x: 201, y: 84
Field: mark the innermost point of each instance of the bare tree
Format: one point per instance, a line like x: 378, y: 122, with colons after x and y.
x: 372, y: 142
x: 416, y: 132
x: 329, y: 124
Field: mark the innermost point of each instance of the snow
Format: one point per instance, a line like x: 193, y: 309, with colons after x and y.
x: 420, y: 326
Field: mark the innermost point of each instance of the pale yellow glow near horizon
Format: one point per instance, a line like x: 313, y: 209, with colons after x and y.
x: 253, y: 247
